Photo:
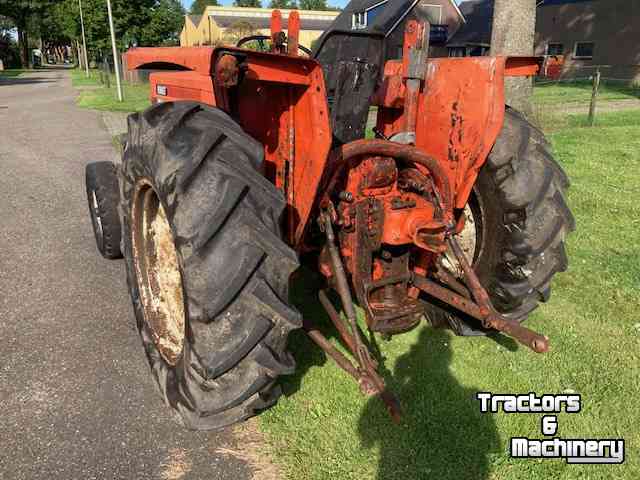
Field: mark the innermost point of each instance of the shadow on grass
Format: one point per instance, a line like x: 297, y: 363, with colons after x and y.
x: 442, y: 435
x: 304, y: 295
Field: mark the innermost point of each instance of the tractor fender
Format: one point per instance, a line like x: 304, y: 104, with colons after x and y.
x: 460, y: 111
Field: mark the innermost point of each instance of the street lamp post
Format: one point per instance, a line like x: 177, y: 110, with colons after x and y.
x: 116, y: 62
x: 84, y: 41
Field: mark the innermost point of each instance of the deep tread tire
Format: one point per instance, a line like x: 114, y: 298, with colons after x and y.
x: 103, y: 196
x: 225, y: 218
x: 525, y: 219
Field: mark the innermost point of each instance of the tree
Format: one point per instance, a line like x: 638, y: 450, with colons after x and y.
x: 283, y: 4
x: 23, y: 13
x: 248, y: 3
x: 165, y: 23
x: 142, y: 23
x: 198, y: 6
x: 314, y: 5
x: 56, y: 30
x: 57, y: 23
x: 513, y: 33
x: 9, y: 52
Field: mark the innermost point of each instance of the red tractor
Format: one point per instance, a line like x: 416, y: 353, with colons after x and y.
x: 251, y: 160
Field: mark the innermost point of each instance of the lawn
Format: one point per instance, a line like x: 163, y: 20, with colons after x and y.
x: 96, y: 96
x: 323, y: 428
x: 13, y: 72
x: 580, y: 92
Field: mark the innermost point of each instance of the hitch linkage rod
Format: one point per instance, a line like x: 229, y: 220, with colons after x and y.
x: 370, y: 382
x: 482, y: 309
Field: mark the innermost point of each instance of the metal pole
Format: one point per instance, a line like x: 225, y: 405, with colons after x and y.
x: 84, y: 41
x: 116, y: 59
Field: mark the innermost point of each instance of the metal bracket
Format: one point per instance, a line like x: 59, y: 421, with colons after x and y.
x: 371, y: 383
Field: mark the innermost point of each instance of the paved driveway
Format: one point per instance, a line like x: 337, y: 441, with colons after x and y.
x: 76, y: 398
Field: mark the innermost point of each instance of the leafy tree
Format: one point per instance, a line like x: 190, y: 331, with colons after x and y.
x: 247, y: 3
x: 198, y: 6
x: 57, y: 23
x: 283, y: 4
x: 165, y: 23
x: 317, y: 5
x: 141, y: 23
x: 54, y: 31
x: 22, y: 13
x: 313, y: 5
x: 9, y: 53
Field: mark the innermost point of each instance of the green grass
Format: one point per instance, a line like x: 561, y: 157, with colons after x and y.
x: 323, y: 428
x: 95, y: 96
x: 80, y: 79
x: 10, y: 73
x: 578, y: 92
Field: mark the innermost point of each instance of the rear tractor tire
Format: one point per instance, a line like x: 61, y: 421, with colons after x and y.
x: 103, y: 197
x: 517, y: 221
x: 207, y: 268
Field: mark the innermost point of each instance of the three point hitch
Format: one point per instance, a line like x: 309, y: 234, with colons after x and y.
x: 471, y: 298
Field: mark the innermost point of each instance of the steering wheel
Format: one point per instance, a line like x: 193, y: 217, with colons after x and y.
x: 262, y: 38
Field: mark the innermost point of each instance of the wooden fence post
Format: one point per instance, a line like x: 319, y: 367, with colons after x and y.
x: 107, y: 72
x: 594, y: 98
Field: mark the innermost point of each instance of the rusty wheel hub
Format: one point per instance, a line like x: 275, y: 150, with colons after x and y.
x: 157, y: 271
x: 468, y: 240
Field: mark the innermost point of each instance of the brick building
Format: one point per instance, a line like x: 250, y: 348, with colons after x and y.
x: 590, y: 33
x: 586, y: 33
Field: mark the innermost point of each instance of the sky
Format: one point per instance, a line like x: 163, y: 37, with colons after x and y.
x: 338, y: 3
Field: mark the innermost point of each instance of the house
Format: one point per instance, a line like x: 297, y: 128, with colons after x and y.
x: 191, y: 34
x: 585, y: 33
x: 588, y: 33
x: 225, y: 25
x: 473, y: 39
x: 390, y: 16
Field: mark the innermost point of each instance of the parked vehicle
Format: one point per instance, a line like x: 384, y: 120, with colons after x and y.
x: 249, y: 161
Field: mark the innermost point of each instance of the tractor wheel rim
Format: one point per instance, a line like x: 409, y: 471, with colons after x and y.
x: 470, y: 238
x: 96, y: 216
x: 158, y: 272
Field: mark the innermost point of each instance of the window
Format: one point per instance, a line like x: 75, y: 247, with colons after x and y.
x: 584, y: 50
x: 439, y: 34
x: 366, y: 18
x: 555, y: 49
x: 433, y: 13
x: 374, y: 11
x: 359, y: 21
x: 478, y: 51
x: 457, y: 51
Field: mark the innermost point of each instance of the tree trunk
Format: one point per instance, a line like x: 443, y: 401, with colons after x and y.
x: 23, y: 47
x: 514, y: 24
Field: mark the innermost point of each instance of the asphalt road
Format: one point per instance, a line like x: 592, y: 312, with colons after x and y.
x: 76, y: 398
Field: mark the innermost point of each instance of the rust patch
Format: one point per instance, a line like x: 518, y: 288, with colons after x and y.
x: 158, y: 273
x: 456, y: 135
